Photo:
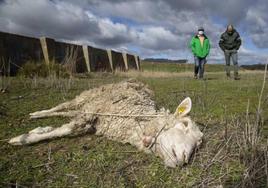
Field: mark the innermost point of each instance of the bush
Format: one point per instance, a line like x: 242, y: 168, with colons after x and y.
x: 33, y: 69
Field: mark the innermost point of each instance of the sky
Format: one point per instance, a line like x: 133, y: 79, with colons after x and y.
x: 148, y: 28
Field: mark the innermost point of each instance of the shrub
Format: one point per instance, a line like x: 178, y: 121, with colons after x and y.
x: 33, y: 69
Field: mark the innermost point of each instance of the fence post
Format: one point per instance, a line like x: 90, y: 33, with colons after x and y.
x: 48, y: 49
x: 125, y: 60
x: 137, y: 62
x: 86, y: 56
x: 109, y: 53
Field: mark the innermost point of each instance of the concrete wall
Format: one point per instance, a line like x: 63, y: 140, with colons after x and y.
x: 20, y: 49
x: 118, y: 61
x: 131, y: 62
x: 99, y: 60
x: 66, y: 53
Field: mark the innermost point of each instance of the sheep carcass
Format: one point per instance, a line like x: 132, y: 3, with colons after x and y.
x: 126, y: 113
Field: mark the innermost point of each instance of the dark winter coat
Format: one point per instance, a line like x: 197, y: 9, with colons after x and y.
x: 230, y: 41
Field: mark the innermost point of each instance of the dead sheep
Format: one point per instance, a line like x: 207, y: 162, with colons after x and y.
x: 124, y: 112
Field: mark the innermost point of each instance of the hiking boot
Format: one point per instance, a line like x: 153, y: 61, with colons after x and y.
x: 236, y: 77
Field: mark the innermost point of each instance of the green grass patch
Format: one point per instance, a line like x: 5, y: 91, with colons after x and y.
x: 91, y: 161
x: 176, y: 67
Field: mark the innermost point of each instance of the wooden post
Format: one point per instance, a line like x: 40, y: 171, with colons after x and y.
x: 48, y: 49
x: 86, y: 56
x: 109, y: 53
x: 137, y: 62
x: 44, y: 49
x: 125, y: 60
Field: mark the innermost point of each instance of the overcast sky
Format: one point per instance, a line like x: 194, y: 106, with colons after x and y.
x: 149, y: 28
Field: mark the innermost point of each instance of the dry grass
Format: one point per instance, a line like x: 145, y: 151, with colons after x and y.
x: 163, y: 74
x: 4, y: 75
x: 70, y: 59
x: 227, y: 157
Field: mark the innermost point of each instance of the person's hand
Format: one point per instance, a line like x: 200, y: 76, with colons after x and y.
x: 234, y: 51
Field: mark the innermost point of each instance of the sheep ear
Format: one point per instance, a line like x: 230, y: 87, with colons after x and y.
x: 184, y: 108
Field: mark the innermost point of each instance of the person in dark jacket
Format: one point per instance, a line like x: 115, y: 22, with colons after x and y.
x: 230, y: 43
x: 200, y: 47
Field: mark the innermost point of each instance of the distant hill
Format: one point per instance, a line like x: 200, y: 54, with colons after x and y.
x: 254, y: 67
x: 159, y: 60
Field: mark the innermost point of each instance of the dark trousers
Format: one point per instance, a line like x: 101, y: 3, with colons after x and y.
x: 231, y: 54
x: 199, y: 66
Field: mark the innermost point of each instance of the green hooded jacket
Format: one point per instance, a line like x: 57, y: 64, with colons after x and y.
x: 197, y: 49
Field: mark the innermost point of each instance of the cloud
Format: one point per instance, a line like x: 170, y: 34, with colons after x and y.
x: 232, y: 11
x: 257, y: 24
x: 158, y: 28
x: 61, y: 20
x: 157, y: 38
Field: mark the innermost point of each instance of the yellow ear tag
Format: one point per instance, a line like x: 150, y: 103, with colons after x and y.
x: 181, y: 109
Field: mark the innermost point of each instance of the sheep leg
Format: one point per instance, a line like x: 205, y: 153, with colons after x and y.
x: 38, y: 135
x: 83, y: 124
x: 60, y: 107
x: 51, y: 114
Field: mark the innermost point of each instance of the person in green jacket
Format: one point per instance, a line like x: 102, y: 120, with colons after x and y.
x: 200, y: 46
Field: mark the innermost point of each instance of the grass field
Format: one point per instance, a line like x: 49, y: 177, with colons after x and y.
x: 219, y: 107
x: 175, y: 67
